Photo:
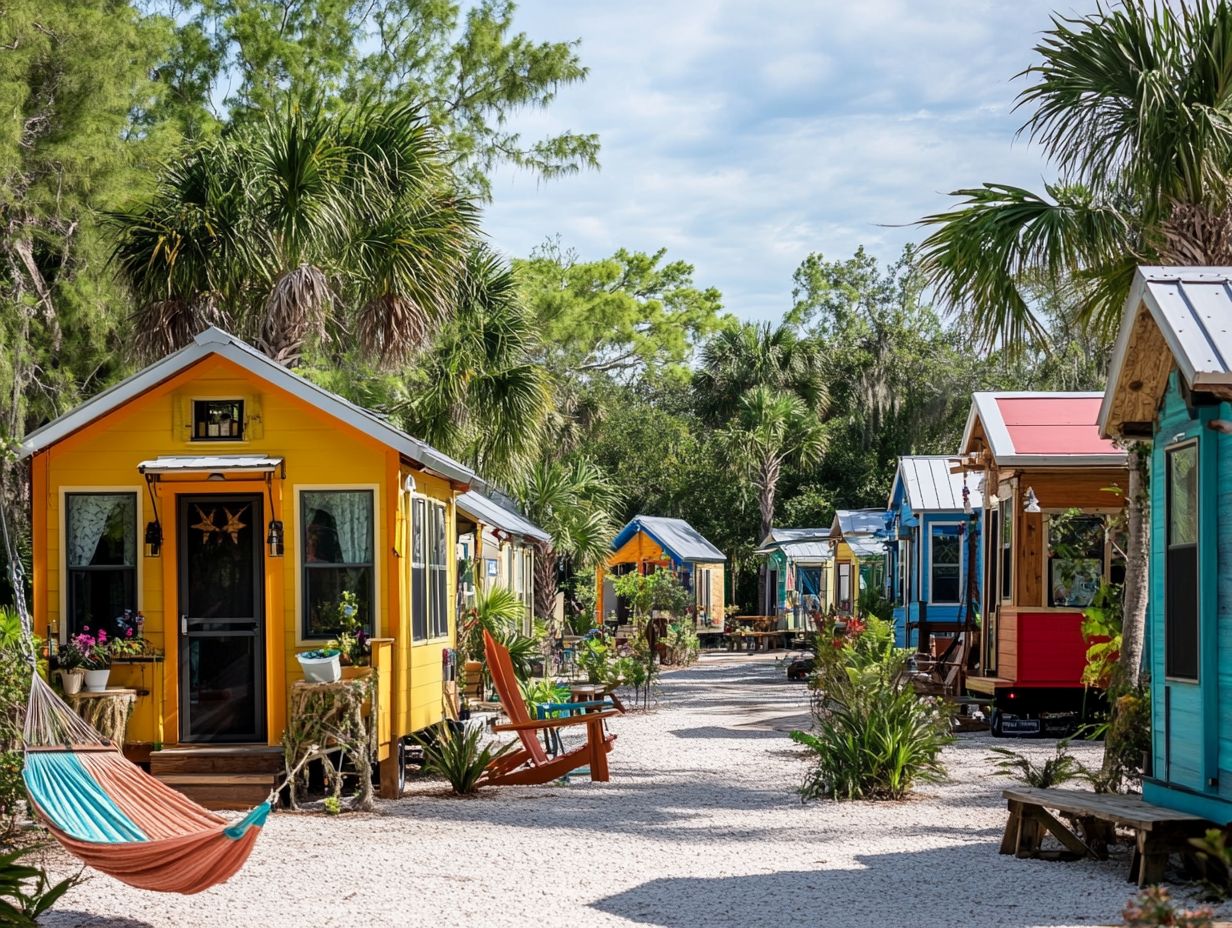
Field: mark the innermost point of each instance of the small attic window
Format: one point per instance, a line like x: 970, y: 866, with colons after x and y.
x: 218, y: 420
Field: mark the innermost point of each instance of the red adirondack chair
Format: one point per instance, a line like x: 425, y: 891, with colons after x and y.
x: 531, y: 765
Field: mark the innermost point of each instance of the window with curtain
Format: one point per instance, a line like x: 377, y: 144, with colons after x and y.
x: 438, y: 571
x: 945, y: 565
x: 419, y: 569
x: 101, y: 558
x: 1077, y: 557
x: 337, y: 529
x: 1181, y: 617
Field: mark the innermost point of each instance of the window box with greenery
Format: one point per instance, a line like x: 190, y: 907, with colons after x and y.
x: 337, y: 541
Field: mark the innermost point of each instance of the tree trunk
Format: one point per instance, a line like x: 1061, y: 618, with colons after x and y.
x: 766, y: 488
x: 545, y: 582
x: 1137, y: 558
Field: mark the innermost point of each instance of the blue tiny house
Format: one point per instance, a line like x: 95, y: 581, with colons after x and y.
x: 934, y: 556
x: 1170, y: 383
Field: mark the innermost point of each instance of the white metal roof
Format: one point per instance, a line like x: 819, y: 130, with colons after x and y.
x: 929, y: 486
x: 214, y: 341
x: 676, y: 535
x: 499, y: 515
x: 1193, y: 308
x: 215, y: 463
x: 855, y: 522
x: 798, y: 544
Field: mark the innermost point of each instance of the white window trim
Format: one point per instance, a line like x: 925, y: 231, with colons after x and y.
x: 378, y: 612
x: 142, y: 519
x: 410, y: 562
x: 962, y: 568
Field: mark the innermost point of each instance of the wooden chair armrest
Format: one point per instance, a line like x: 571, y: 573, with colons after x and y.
x: 536, y: 725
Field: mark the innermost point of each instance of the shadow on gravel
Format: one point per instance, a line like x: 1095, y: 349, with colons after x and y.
x: 934, y: 888
x: 717, y: 731
x: 71, y: 918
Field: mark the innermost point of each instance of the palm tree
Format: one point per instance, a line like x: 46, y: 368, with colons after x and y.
x: 478, y: 393
x: 574, y: 503
x: 769, y: 429
x: 1134, y: 107
x: 302, y: 227
x: 754, y: 354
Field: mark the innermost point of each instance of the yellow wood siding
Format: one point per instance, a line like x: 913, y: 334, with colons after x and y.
x: 319, y: 452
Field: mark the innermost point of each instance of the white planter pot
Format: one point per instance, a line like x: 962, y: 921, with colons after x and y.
x: 71, y: 681
x: 321, y: 669
x: 96, y: 680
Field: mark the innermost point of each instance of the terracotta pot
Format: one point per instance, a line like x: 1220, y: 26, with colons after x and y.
x: 71, y: 680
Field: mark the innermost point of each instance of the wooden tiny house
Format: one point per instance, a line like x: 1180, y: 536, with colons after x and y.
x: 232, y: 502
x: 1052, y: 485
x: 934, y: 556
x: 1170, y: 384
x: 649, y: 543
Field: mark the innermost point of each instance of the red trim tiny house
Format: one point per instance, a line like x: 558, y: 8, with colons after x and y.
x: 1053, y: 486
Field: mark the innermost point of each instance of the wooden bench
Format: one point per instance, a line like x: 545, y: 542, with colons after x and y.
x: 1159, y: 831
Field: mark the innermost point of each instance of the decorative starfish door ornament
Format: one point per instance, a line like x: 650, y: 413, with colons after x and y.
x: 206, y: 526
x: 234, y: 525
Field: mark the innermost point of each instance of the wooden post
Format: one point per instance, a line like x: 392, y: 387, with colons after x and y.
x: 598, y: 751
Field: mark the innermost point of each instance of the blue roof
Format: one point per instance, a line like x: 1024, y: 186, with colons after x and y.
x: 676, y: 536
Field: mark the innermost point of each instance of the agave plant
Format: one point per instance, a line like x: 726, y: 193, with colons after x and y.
x: 462, y: 758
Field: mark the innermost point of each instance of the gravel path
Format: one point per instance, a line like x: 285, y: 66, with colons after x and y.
x: 699, y: 827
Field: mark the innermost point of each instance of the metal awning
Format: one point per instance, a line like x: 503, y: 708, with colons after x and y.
x: 211, y: 464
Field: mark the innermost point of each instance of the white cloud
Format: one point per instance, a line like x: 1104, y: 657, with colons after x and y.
x: 744, y: 135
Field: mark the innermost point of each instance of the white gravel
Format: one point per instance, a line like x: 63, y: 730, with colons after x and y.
x: 699, y: 827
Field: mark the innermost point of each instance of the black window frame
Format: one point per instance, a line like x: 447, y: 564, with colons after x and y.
x: 419, y: 568
x: 933, y: 534
x: 1182, y: 639
x: 201, y: 419
x: 69, y: 624
x: 1050, y: 557
x: 306, y: 566
x: 438, y: 571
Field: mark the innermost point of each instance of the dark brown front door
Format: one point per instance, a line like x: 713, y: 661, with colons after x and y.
x: 222, y: 618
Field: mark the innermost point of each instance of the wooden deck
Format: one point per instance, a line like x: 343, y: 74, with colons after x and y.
x: 986, y: 686
x: 1159, y: 832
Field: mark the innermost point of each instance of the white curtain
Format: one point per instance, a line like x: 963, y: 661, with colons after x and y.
x: 351, y: 511
x: 88, y: 515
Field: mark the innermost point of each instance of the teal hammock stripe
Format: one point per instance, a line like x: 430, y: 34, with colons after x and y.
x: 63, y: 789
x: 254, y: 819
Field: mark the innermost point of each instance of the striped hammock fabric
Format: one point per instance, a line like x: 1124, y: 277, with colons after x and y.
x: 115, y: 817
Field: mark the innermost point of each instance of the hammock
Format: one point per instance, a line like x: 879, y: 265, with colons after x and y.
x: 106, y: 810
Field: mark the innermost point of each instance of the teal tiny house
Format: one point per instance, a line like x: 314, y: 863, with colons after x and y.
x: 1170, y: 383
x: 797, y: 574
x: 934, y: 556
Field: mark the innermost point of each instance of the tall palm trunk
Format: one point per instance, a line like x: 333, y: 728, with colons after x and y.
x: 1137, y: 561
x: 767, y: 487
x: 545, y: 582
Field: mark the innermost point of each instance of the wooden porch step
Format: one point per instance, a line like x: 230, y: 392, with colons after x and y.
x: 220, y: 779
x: 223, y: 790
x: 217, y: 759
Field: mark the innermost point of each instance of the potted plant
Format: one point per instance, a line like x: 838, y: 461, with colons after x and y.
x: 321, y: 665
x: 352, y: 643
x: 72, y: 673
x: 96, y: 658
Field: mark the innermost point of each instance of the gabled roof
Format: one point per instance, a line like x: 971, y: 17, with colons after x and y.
x: 214, y: 341
x: 676, y: 536
x: 1042, y: 429
x: 1175, y: 316
x: 928, y: 486
x: 798, y: 544
x: 856, y: 522
x: 502, y: 515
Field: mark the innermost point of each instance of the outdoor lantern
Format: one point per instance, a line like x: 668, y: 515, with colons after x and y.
x: 1030, y: 502
x: 153, y: 538
x: 274, y: 538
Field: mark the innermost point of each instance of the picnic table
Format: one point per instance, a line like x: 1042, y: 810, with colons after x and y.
x: 1159, y: 831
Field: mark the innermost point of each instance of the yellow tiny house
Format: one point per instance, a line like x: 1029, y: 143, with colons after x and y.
x: 233, y: 503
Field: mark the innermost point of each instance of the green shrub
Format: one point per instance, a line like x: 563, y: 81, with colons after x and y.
x: 25, y: 891
x: 1154, y: 908
x: 14, y: 690
x: 538, y: 692
x: 1054, y: 771
x: 874, y: 737
x: 462, y: 759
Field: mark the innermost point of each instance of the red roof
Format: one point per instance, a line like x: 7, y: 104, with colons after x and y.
x: 1054, y: 424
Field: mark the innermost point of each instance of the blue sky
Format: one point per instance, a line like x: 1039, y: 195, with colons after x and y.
x: 744, y: 135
